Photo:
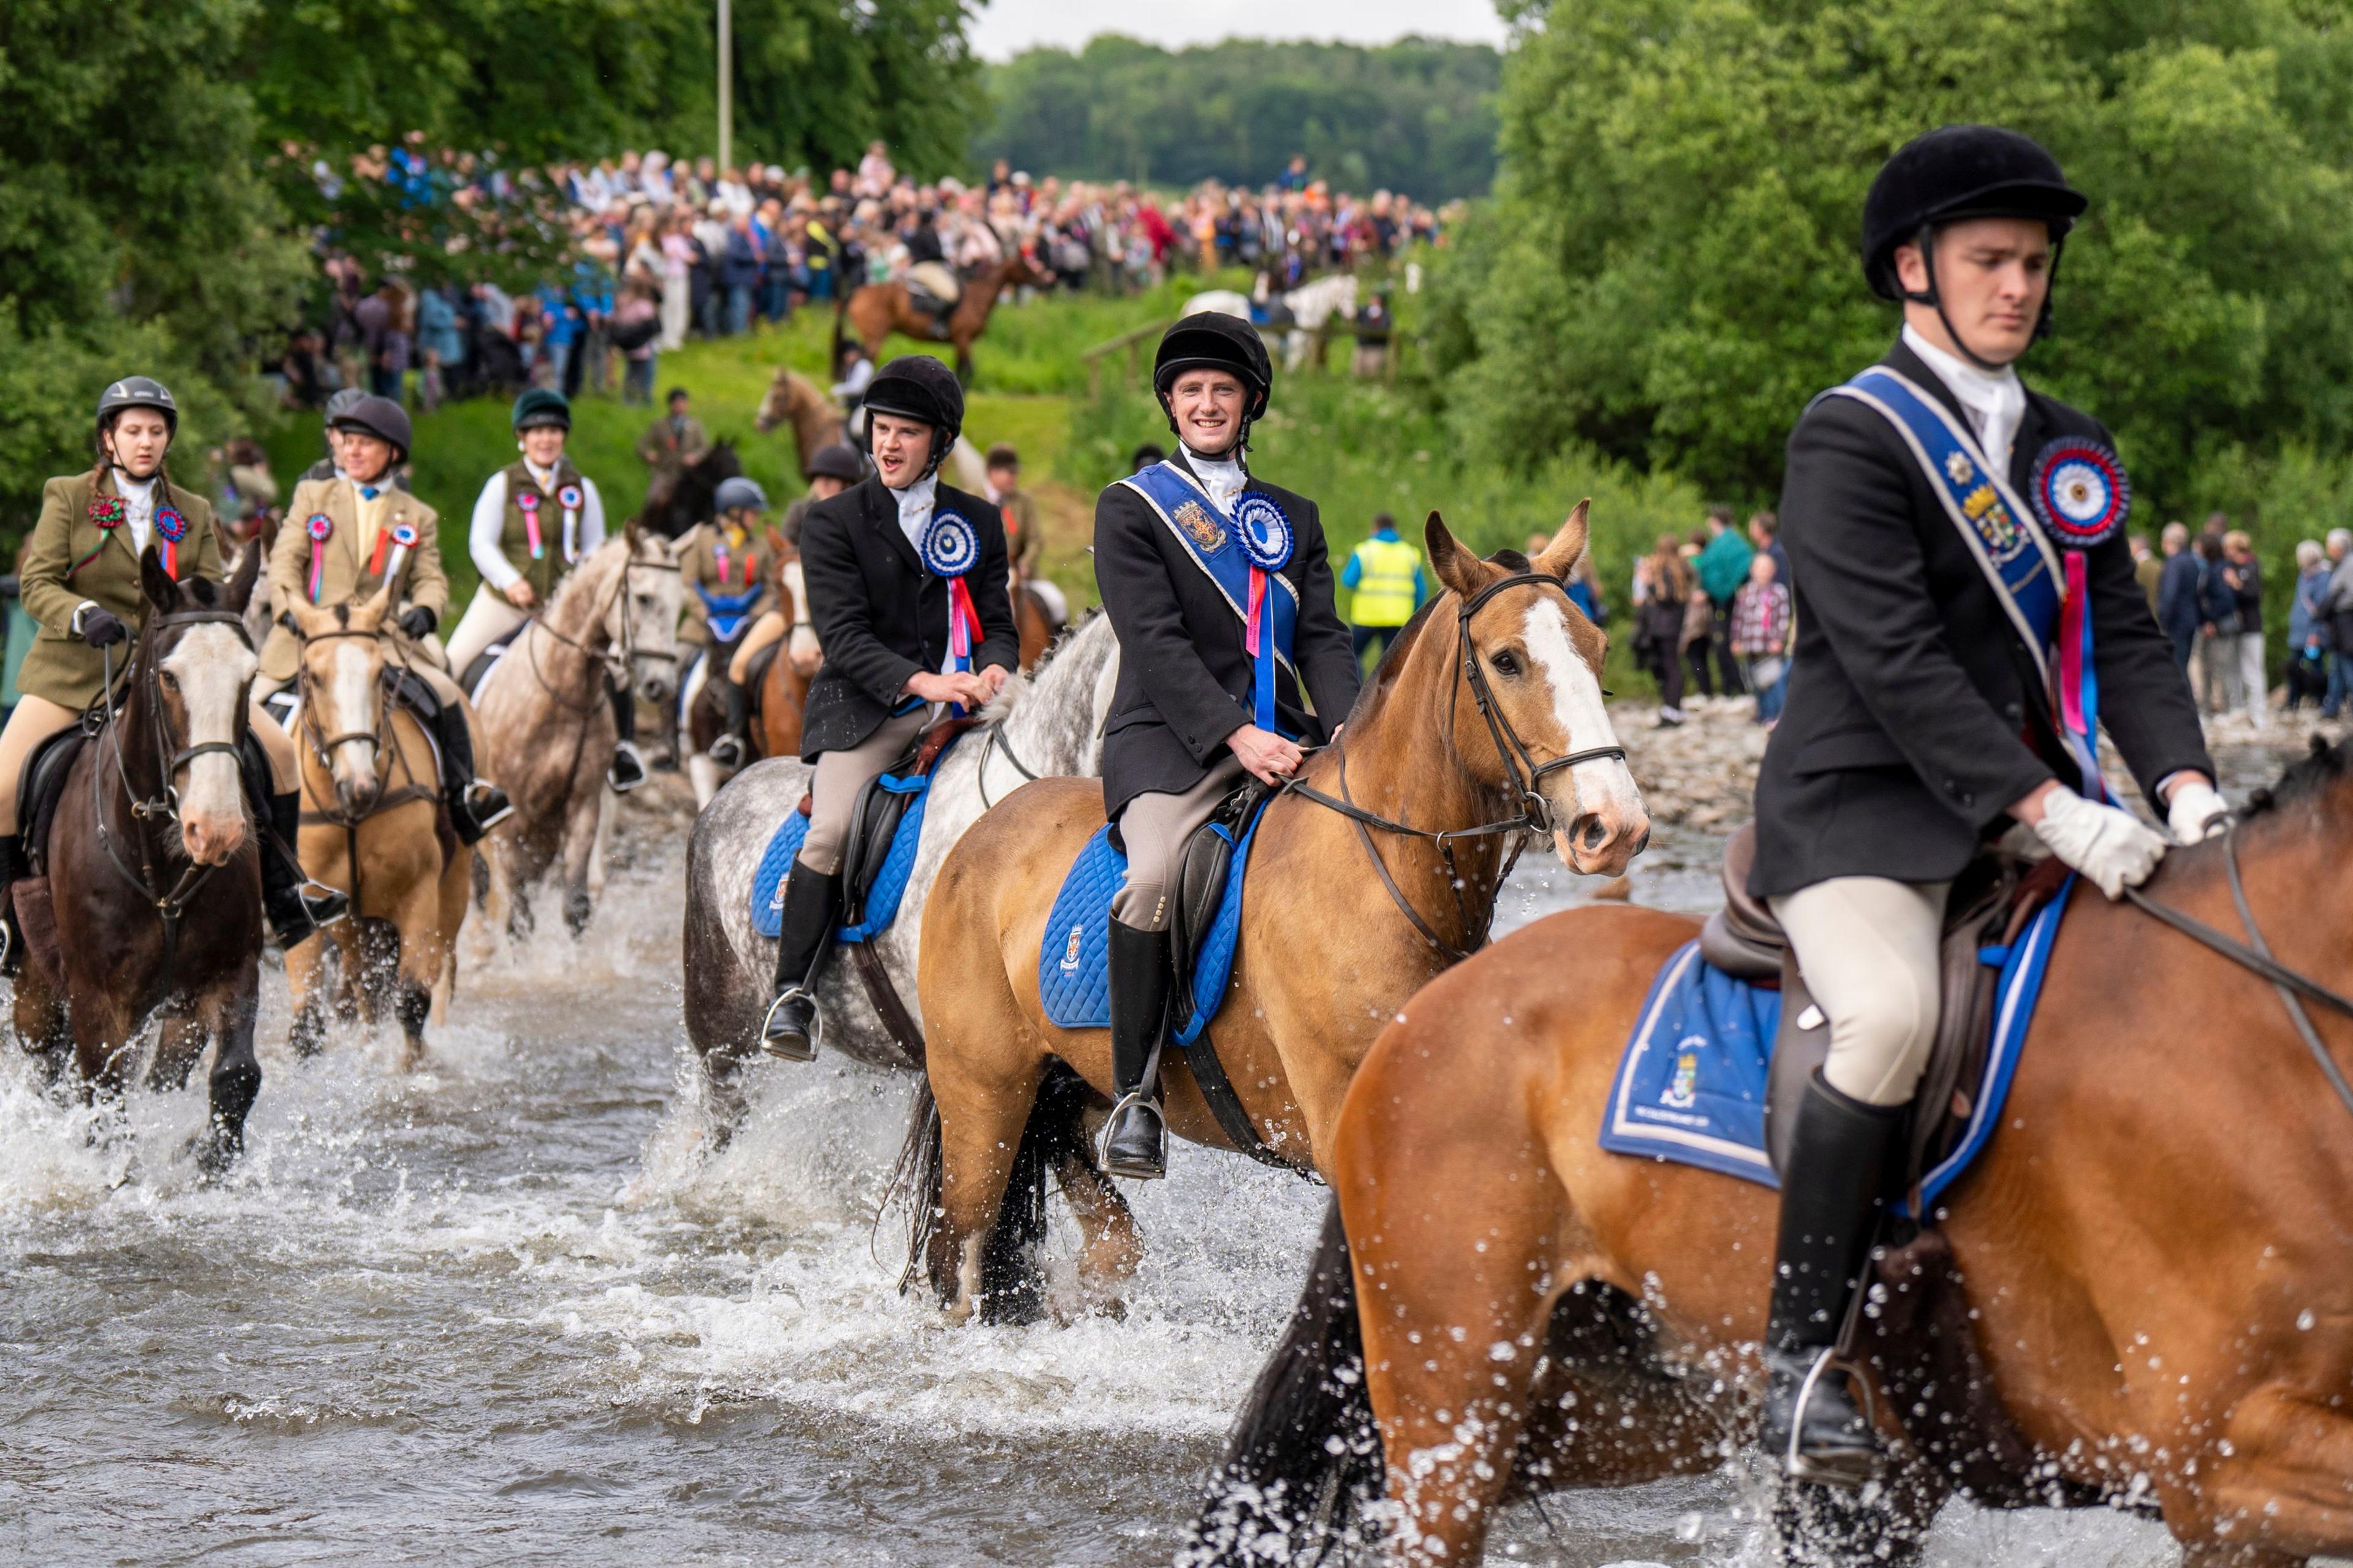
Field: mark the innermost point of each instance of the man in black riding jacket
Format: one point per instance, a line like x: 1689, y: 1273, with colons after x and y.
x: 1182, y: 548
x: 906, y: 587
x: 1944, y: 526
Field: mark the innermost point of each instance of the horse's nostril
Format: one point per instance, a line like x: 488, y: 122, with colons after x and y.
x: 1594, y: 834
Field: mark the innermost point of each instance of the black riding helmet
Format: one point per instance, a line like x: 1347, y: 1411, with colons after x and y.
x: 542, y: 405
x: 1958, y: 172
x: 1211, y: 340
x: 380, y: 417
x: 917, y: 386
x: 135, y: 392
x: 837, y: 460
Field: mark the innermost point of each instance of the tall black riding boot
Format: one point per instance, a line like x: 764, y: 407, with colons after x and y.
x: 793, y: 1026
x: 476, y: 806
x: 12, y: 939
x: 1831, y: 1197
x: 297, y: 905
x: 1134, y: 1143
x: 727, y: 750
x: 628, y: 769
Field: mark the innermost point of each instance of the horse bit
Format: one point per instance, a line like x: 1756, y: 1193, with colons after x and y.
x: 1524, y: 774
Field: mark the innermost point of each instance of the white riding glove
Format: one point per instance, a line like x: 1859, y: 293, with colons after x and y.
x: 2196, y: 811
x: 2109, y: 844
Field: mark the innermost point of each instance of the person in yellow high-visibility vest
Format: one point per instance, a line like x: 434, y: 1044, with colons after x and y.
x: 1386, y: 585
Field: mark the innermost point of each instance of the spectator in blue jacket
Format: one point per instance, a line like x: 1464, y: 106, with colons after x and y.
x: 2178, y: 590
x: 2218, y: 624
x: 739, y: 273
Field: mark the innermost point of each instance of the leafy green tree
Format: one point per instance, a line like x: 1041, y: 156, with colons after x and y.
x: 1418, y: 116
x: 1669, y: 270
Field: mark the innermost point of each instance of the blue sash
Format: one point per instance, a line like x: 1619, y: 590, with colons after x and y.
x: 1206, y: 531
x: 727, y: 611
x: 2000, y: 529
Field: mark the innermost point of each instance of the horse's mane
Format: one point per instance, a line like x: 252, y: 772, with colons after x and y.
x: 1001, y: 706
x: 2316, y: 772
x: 576, y: 583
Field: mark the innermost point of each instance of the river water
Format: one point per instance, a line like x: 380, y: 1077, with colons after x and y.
x: 509, y: 1310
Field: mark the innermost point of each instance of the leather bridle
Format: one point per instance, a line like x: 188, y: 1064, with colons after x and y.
x: 1523, y: 773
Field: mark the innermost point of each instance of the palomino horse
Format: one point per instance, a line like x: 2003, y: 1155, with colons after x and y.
x: 676, y: 502
x: 816, y: 418
x: 151, y: 900
x: 1377, y: 868
x: 706, y: 715
x: 2138, y: 1297
x: 1038, y: 727
x: 877, y: 309
x: 373, y: 825
x: 547, y: 728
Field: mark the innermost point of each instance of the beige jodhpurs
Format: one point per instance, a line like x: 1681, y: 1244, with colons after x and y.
x: 1867, y: 946
x: 36, y: 719
x: 1154, y: 828
x: 833, y: 794
x: 487, y: 619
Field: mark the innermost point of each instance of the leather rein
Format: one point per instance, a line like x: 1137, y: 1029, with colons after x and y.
x: 171, y: 903
x: 1524, y: 773
x: 615, y: 664
x: 2255, y: 955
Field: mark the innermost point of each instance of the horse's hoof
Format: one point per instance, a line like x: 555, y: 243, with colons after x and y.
x: 578, y: 908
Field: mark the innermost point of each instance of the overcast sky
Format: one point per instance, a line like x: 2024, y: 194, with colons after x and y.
x: 1005, y: 27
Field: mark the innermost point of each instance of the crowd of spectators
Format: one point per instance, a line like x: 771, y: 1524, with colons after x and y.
x: 646, y: 251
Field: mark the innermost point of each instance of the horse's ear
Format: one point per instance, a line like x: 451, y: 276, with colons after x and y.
x: 1456, y: 567
x: 156, y: 583
x: 1560, y: 556
x: 378, y: 604
x: 248, y: 572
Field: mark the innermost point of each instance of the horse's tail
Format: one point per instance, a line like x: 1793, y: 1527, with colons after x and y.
x: 1012, y: 1286
x: 1303, y: 1462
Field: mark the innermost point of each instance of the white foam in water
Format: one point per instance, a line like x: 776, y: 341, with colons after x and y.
x: 522, y: 1281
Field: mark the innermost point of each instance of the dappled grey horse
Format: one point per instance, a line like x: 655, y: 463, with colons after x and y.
x: 1042, y: 725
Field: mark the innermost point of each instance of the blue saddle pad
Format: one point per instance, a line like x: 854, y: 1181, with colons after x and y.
x: 1074, y: 960
x: 1691, y: 1085
x: 889, y: 882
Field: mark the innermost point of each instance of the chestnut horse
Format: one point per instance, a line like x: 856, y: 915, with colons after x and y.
x: 1375, y: 870
x: 150, y: 900
x: 877, y: 309
x: 2138, y: 1297
x: 816, y: 418
x: 375, y: 827
x: 785, y: 680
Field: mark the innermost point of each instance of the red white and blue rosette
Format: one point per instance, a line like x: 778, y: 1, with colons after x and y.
x: 951, y: 549
x: 320, y: 528
x: 171, y: 527
x: 2079, y: 491
x: 395, y: 545
x: 1266, y: 538
x: 569, y: 498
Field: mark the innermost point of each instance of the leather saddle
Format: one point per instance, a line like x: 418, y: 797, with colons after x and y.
x: 1201, y: 872
x: 1990, y: 903
x: 39, y: 787
x: 874, y: 819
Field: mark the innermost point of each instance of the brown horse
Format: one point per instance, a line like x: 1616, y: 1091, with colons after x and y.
x: 2138, y: 1297
x: 147, y: 897
x: 816, y: 418
x: 877, y: 309
x: 1035, y: 623
x: 1489, y: 704
x: 784, y: 683
x: 374, y: 827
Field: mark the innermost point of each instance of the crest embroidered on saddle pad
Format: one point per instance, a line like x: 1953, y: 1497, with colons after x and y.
x: 1201, y: 528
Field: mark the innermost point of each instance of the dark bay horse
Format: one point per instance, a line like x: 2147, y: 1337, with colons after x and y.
x: 877, y: 309
x: 151, y: 899
x: 2138, y: 1296
x: 1484, y: 721
x: 676, y: 500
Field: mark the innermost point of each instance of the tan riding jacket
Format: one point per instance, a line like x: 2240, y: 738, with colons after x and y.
x: 699, y: 569
x: 70, y: 559
x: 353, y: 565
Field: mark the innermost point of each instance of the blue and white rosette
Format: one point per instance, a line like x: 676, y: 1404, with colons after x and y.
x: 951, y: 549
x: 1266, y: 539
x: 2080, y: 493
